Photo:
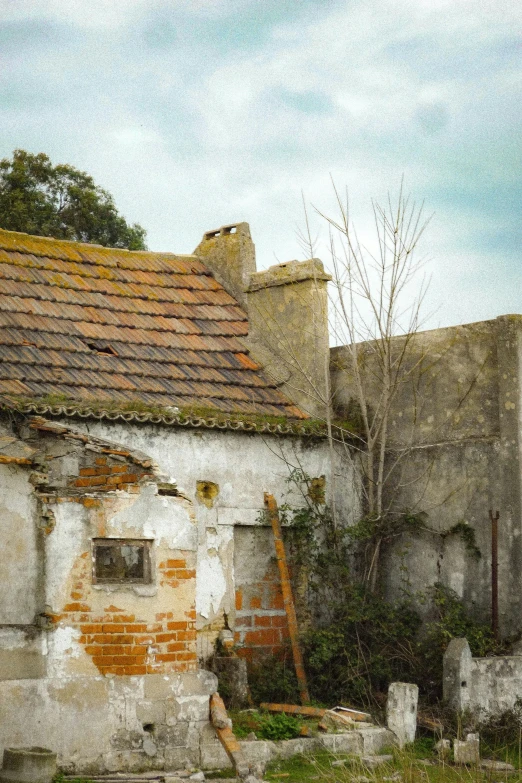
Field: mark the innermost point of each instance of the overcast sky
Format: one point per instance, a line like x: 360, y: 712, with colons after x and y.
x: 197, y: 113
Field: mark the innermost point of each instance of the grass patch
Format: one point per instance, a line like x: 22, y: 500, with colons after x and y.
x: 416, y: 764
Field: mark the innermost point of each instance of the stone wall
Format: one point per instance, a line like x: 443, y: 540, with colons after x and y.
x: 457, y: 420
x: 487, y: 686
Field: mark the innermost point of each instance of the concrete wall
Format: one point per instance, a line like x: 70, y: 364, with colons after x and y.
x: 20, y: 577
x: 488, y: 686
x: 107, y: 724
x: 457, y: 415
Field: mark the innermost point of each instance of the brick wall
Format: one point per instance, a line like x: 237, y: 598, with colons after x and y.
x: 109, y: 473
x: 261, y: 626
x: 125, y: 644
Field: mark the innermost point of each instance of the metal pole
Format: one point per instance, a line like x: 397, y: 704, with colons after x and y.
x: 286, y: 588
x: 494, y: 572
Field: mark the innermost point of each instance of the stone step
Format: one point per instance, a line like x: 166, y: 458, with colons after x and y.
x: 366, y: 742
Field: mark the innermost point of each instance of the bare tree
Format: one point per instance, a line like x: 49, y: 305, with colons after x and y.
x: 372, y: 303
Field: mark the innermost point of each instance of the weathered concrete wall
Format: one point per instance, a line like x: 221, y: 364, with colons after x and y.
x: 20, y: 576
x: 488, y: 686
x: 106, y: 724
x: 457, y: 418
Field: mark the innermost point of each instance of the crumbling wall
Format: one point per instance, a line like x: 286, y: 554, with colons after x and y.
x: 104, y: 667
x: 487, y: 686
x: 261, y: 623
x: 226, y: 475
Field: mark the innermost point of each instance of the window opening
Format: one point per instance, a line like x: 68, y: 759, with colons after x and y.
x: 121, y: 561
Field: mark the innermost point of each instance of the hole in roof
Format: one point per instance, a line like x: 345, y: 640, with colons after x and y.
x: 211, y: 234
x: 229, y: 229
x: 106, y: 350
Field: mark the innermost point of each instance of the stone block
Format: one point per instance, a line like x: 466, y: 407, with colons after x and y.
x: 372, y: 762
x: 285, y: 749
x: 164, y: 686
x: 214, y: 756
x: 28, y: 765
x: 150, y: 712
x: 349, y: 742
x: 181, y: 758
x: 467, y: 751
x: 375, y: 740
x: 259, y: 752
x: 187, y: 708
x: 401, y: 711
x: 456, y: 674
x: 20, y: 664
x: 172, y: 736
x: 443, y: 748
x: 233, y: 672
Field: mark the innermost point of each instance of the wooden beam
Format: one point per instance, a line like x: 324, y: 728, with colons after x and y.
x: 288, y: 599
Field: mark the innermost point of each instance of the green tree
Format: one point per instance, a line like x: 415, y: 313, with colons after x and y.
x: 62, y: 202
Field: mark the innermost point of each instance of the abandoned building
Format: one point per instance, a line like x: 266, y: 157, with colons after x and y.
x: 148, y: 400
x: 138, y: 437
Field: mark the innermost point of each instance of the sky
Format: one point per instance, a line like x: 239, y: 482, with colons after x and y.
x: 199, y: 113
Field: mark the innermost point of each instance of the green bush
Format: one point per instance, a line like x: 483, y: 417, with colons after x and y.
x: 265, y: 726
x: 279, y: 727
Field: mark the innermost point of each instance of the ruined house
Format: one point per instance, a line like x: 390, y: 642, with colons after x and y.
x: 138, y: 434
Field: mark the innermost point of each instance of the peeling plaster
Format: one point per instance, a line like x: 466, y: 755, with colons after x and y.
x: 159, y: 517
x: 211, y: 585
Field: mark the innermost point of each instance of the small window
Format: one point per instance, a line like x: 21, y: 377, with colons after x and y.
x: 121, y: 561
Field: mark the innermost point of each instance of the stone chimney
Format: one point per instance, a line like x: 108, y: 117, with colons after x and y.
x: 231, y: 256
x: 288, y: 330
x: 287, y: 307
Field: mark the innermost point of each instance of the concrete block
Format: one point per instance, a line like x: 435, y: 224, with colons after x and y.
x: 214, y: 756
x: 349, y: 742
x: 457, y: 664
x: 467, y: 751
x: 375, y: 740
x: 20, y: 664
x: 28, y: 765
x: 285, y: 749
x: 181, y: 758
x: 401, y: 711
x: 150, y: 712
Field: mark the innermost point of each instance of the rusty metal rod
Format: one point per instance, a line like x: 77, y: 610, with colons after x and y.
x: 494, y: 572
x: 273, y: 514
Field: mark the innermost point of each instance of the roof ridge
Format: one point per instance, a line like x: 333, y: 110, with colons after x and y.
x: 77, y: 244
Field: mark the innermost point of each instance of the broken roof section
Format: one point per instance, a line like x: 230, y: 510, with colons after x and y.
x: 129, y: 330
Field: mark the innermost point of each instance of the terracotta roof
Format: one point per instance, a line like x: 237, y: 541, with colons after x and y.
x: 101, y: 326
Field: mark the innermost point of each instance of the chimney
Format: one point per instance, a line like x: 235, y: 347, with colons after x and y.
x: 231, y: 256
x: 287, y: 307
x: 288, y: 330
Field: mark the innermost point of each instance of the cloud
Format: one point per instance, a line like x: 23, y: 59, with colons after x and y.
x: 195, y: 114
